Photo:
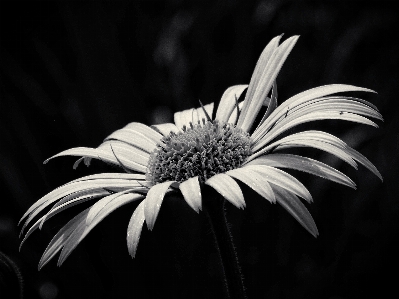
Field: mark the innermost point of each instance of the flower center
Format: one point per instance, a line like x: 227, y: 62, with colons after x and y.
x: 201, y: 150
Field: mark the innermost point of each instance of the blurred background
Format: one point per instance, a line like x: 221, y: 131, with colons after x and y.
x: 73, y: 72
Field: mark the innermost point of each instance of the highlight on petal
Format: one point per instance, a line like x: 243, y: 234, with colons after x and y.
x: 183, y: 118
x: 253, y: 102
x: 61, y: 237
x: 191, y: 192
x: 254, y: 180
x: 228, y: 102
x: 271, y: 106
x: 228, y: 188
x: 313, y: 116
x: 296, y: 208
x: 281, y: 179
x: 304, y: 164
x: 165, y: 129
x: 74, y: 189
x: 66, y: 202
x: 153, y: 202
x: 84, y: 227
x: 134, y: 229
x: 132, y: 158
x: 137, y: 135
x: 315, y: 93
x: 364, y: 161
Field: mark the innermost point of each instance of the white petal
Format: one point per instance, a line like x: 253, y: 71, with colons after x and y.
x: 106, y: 156
x: 134, y: 229
x: 253, y: 180
x: 228, y: 102
x: 192, y: 193
x: 271, y: 69
x: 165, y: 129
x: 296, y: 208
x: 84, y: 227
x: 153, y: 202
x: 282, y: 179
x: 302, y: 97
x: 228, y: 188
x: 199, y: 113
x: 137, y: 135
x: 305, y: 164
x: 183, y: 118
x: 61, y: 237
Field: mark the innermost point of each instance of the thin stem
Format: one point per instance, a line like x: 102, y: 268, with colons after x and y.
x: 231, y: 270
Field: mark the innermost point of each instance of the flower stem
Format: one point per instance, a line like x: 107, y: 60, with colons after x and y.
x: 231, y: 271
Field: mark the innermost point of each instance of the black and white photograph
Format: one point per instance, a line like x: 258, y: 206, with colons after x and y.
x: 224, y: 149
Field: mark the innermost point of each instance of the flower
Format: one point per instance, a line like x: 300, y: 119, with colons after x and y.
x: 216, y: 151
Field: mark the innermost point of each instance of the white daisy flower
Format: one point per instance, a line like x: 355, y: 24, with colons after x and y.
x: 198, y: 149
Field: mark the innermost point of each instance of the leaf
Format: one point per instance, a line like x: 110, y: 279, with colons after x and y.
x: 282, y: 179
x: 305, y: 164
x: 192, y: 193
x: 228, y: 188
x: 296, y: 208
x: 253, y: 180
x: 153, y: 202
x: 134, y: 229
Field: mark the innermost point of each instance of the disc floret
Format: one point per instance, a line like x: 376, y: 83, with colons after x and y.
x: 202, y: 150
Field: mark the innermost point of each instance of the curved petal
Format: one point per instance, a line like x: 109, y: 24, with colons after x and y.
x: 71, y: 188
x: 153, y: 202
x: 296, y: 208
x: 58, y: 241
x: 313, y: 116
x: 228, y: 102
x: 192, y: 193
x: 305, y: 164
x: 254, y: 102
x: 255, y: 181
x: 103, y: 204
x: 130, y: 160
x: 302, y: 97
x: 228, y: 188
x: 364, y: 161
x: 84, y: 227
x: 185, y: 117
x: 59, y: 208
x: 134, y: 229
x: 165, y: 129
x: 234, y: 115
x: 271, y: 106
x: 137, y: 135
x: 282, y: 179
x: 199, y: 113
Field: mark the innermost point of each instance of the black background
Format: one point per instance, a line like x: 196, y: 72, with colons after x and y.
x: 73, y: 72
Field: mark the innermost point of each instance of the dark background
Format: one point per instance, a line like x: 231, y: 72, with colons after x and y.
x: 73, y: 72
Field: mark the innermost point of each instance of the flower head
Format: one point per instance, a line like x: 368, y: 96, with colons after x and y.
x: 197, y: 150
